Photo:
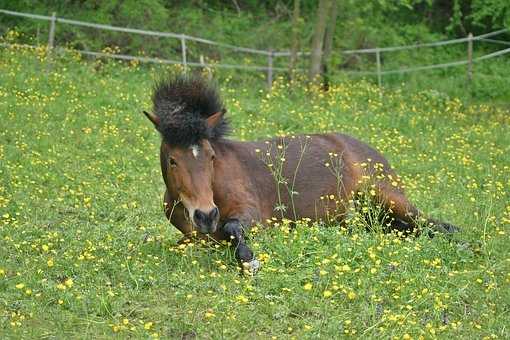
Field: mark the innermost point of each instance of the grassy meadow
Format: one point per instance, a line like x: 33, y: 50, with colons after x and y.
x: 86, y: 252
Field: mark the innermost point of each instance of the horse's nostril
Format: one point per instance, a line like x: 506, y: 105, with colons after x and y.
x: 199, y: 216
x: 214, y: 214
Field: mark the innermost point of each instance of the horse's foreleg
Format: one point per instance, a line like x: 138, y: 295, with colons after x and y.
x: 235, y: 232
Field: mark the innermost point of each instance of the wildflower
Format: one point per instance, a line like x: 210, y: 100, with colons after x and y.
x: 241, y: 298
x: 327, y: 293
x: 264, y: 257
x: 307, y: 286
x: 147, y: 325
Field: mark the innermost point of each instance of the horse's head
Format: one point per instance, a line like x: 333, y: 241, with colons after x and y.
x: 188, y: 113
x: 188, y: 171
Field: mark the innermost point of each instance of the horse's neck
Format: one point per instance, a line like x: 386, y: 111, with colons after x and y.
x: 240, y: 161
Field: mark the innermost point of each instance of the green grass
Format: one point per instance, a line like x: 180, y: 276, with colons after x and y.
x: 86, y: 252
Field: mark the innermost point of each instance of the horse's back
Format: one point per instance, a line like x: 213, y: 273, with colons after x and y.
x: 322, y: 170
x: 317, y: 171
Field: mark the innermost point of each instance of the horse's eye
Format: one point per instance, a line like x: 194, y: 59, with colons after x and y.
x: 172, y: 162
x: 213, y: 157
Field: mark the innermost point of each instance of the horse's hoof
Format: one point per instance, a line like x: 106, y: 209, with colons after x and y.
x: 251, y: 267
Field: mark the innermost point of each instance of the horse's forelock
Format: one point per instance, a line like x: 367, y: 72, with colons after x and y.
x: 184, y: 103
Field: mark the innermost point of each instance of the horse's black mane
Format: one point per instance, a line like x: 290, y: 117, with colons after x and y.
x: 183, y: 103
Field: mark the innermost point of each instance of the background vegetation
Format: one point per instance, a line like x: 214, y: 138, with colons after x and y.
x: 269, y: 24
x: 360, y: 24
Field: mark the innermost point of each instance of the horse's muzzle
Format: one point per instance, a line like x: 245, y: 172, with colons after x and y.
x: 207, y: 223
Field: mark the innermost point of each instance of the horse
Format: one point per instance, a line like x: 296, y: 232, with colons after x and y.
x: 218, y: 188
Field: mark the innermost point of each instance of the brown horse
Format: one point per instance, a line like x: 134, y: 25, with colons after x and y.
x: 219, y: 187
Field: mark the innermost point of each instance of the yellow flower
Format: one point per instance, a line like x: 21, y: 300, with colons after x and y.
x: 20, y: 285
x: 264, y: 257
x: 307, y: 286
x: 327, y: 293
x: 50, y: 263
x: 351, y: 295
x: 61, y: 286
x: 69, y: 282
x: 147, y: 325
x: 45, y: 247
x: 241, y: 298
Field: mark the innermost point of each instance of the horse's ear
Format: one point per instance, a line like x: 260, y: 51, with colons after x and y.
x: 153, y: 118
x: 213, y: 120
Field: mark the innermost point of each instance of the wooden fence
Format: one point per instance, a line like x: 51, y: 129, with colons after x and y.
x: 269, y: 69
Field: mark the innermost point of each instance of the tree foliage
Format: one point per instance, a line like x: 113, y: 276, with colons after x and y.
x: 258, y: 24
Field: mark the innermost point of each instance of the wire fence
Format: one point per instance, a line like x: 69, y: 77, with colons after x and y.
x: 269, y: 68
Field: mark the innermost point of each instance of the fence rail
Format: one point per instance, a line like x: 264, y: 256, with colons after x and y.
x: 270, y: 68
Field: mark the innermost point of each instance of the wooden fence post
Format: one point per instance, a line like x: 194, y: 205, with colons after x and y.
x: 204, y: 67
x: 51, y: 41
x: 51, y: 36
x: 270, y: 69
x: 183, y: 50
x: 470, y: 58
x: 378, y: 60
